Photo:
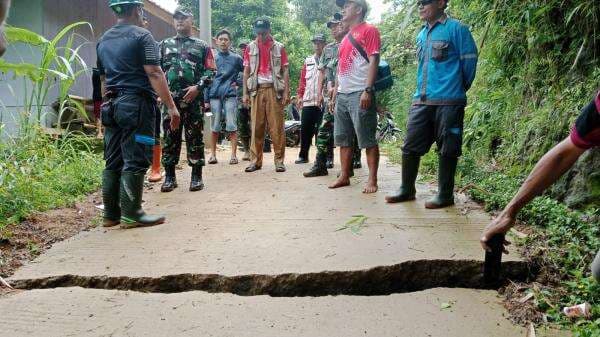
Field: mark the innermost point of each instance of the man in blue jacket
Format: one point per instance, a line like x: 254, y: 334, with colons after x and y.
x: 447, y: 57
x: 223, y: 95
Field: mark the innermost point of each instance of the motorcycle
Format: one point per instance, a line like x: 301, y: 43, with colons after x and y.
x: 292, y: 136
x: 387, y: 132
x: 292, y: 133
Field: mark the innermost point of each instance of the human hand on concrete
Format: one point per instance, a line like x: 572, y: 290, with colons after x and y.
x: 501, y: 225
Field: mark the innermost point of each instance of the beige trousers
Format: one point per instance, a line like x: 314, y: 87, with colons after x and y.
x: 267, y: 111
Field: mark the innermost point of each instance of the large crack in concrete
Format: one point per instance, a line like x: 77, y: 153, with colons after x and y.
x: 405, y: 277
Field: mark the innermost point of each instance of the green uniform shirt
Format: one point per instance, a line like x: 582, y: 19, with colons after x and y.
x: 329, y: 61
x: 185, y: 61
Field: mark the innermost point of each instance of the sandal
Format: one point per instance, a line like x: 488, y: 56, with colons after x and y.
x: 233, y: 161
x: 212, y: 160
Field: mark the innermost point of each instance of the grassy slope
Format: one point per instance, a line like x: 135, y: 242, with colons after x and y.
x: 38, y: 174
x: 508, y: 126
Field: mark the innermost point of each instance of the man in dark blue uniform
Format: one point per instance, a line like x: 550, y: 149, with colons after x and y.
x: 128, y: 62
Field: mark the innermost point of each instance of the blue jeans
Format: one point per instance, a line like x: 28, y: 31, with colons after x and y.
x: 228, y: 107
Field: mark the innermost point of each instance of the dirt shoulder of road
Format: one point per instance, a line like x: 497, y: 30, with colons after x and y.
x: 23, y: 242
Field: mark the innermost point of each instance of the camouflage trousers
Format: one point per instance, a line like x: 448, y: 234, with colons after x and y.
x: 325, y: 139
x: 192, y: 121
x: 244, y: 127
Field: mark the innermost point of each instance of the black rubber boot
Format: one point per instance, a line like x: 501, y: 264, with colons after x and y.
x: 410, y: 170
x: 196, y: 184
x: 446, y: 173
x: 170, y: 182
x: 132, y: 214
x: 111, y: 181
x: 319, y: 169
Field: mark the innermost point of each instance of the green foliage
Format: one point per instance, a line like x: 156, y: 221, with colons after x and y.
x: 58, y: 68
x: 37, y: 174
x: 538, y: 67
x: 238, y: 17
x: 314, y: 11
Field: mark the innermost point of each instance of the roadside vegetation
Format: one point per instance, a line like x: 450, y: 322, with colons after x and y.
x: 40, y: 171
x: 538, y: 66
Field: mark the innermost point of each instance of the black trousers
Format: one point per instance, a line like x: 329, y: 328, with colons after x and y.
x: 442, y: 124
x: 129, y: 126
x: 310, y: 119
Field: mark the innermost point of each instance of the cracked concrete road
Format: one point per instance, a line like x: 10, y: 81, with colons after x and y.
x: 263, y: 223
x: 269, y: 223
x: 79, y: 312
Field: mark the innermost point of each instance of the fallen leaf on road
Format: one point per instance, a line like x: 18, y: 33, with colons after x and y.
x: 447, y: 305
x: 355, y: 224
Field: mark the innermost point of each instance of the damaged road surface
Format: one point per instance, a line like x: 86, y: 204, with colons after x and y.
x: 84, y: 312
x: 268, y: 254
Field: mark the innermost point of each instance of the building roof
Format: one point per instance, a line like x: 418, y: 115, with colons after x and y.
x: 160, y: 12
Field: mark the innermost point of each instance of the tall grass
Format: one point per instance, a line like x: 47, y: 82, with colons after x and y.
x: 38, y: 172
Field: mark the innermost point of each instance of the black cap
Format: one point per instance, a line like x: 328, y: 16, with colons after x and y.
x: 337, y: 18
x: 181, y: 12
x: 318, y: 38
x: 262, y: 23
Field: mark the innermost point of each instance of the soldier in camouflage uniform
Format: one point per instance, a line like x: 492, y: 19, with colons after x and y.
x: 328, y: 65
x: 189, y: 64
x: 243, y: 112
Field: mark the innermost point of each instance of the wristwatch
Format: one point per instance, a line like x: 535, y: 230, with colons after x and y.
x: 369, y: 90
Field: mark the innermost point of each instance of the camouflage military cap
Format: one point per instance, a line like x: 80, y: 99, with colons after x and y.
x: 318, y: 38
x: 181, y: 12
x: 337, y: 19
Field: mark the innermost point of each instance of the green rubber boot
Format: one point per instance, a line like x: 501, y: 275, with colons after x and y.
x: 446, y: 173
x: 410, y: 170
x: 111, y: 180
x: 132, y: 214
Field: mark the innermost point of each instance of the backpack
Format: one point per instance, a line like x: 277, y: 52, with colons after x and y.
x: 384, y: 79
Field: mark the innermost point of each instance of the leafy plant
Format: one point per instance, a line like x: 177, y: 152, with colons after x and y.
x: 37, y: 172
x: 59, y: 67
